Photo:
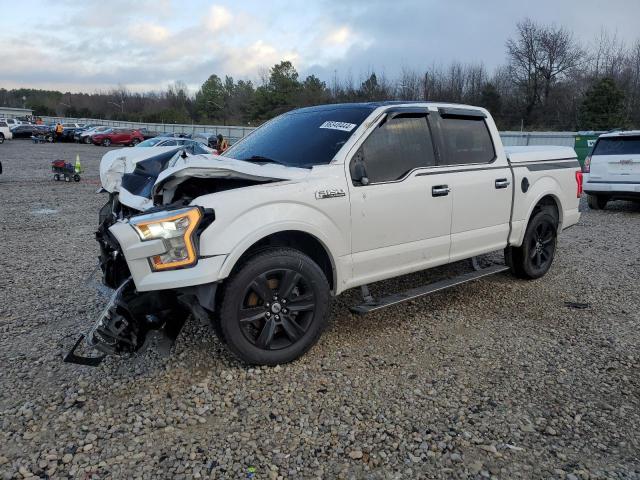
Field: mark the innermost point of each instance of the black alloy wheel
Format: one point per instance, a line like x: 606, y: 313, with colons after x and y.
x: 274, y: 307
x: 534, y: 257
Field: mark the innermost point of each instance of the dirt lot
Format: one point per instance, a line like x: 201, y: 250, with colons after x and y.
x: 497, y: 379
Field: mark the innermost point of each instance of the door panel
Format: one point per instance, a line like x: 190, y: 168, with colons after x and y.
x: 480, y: 212
x: 481, y: 187
x: 399, y: 227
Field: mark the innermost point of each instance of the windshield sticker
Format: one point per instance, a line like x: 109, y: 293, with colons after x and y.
x: 345, y: 127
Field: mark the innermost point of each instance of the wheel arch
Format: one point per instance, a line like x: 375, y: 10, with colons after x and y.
x: 544, y: 199
x: 301, y: 240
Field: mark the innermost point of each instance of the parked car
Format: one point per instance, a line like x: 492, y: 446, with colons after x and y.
x: 207, y: 138
x: 5, y: 131
x: 172, y: 142
x: 73, y: 125
x: 612, y: 170
x: 146, y: 133
x: 117, y: 136
x: 24, y: 131
x: 84, y: 135
x: 314, y: 202
x: 11, y: 122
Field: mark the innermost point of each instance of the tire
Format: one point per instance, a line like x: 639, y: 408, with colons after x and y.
x: 284, y: 299
x: 67, y: 178
x: 56, y: 177
x: 534, y: 257
x: 106, y: 142
x: 597, y: 202
x: 49, y: 139
x: 135, y: 142
x: 1, y: 138
x: 76, y: 178
x: 87, y: 140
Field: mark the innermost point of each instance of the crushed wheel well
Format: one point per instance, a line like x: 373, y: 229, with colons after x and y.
x: 304, y: 242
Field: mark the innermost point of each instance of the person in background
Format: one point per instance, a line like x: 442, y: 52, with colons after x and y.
x: 222, y: 144
x: 58, y: 131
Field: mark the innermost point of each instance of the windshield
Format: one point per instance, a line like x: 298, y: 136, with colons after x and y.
x: 617, y: 146
x: 301, y: 138
x: 152, y: 142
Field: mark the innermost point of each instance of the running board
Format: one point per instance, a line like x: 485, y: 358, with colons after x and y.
x: 414, y: 293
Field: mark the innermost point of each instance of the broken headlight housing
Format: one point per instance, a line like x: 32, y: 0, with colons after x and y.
x: 176, y: 229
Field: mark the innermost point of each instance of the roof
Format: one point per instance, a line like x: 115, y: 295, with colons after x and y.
x: 371, y: 106
x: 622, y: 133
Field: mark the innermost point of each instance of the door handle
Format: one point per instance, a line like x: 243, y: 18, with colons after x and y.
x: 502, y: 183
x: 440, y: 190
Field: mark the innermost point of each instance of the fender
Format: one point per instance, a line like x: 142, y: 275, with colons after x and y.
x: 253, y: 225
x: 542, y: 187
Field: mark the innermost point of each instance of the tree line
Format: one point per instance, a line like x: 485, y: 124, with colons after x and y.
x: 549, y: 81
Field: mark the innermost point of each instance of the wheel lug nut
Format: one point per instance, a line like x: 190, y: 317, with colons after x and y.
x: 268, y: 314
x: 277, y: 317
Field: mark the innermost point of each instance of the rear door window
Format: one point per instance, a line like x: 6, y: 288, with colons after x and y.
x: 4, y: 124
x: 395, y: 148
x: 617, y: 146
x: 466, y: 141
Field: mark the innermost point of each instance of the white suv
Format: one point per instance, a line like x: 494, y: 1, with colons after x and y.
x: 5, y: 132
x: 613, y: 169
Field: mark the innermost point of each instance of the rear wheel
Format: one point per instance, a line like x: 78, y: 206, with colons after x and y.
x: 534, y: 257
x: 87, y: 140
x: 76, y: 178
x: 274, y: 307
x: 67, y: 178
x: 56, y: 177
x: 1, y: 138
x: 597, y: 202
x: 135, y: 142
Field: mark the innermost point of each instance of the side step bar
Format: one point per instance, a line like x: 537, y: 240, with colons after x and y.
x: 413, y: 293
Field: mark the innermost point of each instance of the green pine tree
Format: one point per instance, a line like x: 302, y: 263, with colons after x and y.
x: 602, y: 107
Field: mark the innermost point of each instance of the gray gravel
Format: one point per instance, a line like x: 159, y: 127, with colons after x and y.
x: 497, y: 379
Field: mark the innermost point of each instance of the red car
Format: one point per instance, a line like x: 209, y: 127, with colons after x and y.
x: 117, y: 136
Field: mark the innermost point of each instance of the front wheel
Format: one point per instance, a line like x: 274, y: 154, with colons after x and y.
x: 534, y: 257
x: 597, y: 202
x: 106, y: 142
x: 274, y: 307
x: 1, y: 138
x: 135, y: 142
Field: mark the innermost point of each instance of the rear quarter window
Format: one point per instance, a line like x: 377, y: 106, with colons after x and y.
x: 617, y: 146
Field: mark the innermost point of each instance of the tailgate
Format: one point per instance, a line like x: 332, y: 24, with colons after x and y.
x: 616, y: 159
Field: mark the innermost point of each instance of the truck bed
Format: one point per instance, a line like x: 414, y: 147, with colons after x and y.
x: 539, y: 154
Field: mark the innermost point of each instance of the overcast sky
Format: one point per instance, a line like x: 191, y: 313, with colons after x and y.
x: 89, y: 45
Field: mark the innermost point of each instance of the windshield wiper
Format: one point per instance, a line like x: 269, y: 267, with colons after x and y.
x: 260, y: 158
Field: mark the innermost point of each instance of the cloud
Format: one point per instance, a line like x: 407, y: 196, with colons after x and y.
x: 149, y: 33
x: 218, y: 18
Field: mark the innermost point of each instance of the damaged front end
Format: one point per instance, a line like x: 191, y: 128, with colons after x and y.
x: 130, y: 315
x: 149, y: 233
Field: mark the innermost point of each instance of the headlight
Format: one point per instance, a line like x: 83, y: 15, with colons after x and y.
x: 176, y: 228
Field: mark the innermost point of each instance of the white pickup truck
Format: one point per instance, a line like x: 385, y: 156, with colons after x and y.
x: 317, y: 201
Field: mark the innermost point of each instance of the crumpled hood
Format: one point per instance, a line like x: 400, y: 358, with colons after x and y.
x: 116, y: 163
x: 139, y: 177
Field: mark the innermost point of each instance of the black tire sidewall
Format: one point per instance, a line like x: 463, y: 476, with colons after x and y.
x: 235, y: 288
x: 1, y: 138
x: 526, y: 266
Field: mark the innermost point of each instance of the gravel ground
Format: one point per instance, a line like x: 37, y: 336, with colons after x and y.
x: 495, y: 379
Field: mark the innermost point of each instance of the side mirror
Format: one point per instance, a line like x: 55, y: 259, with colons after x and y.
x: 360, y: 173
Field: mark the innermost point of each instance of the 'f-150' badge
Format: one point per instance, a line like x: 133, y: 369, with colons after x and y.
x: 330, y: 193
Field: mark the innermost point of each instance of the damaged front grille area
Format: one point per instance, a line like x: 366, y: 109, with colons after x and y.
x: 112, y: 262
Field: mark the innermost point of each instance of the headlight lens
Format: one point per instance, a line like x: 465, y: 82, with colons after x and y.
x: 176, y: 229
